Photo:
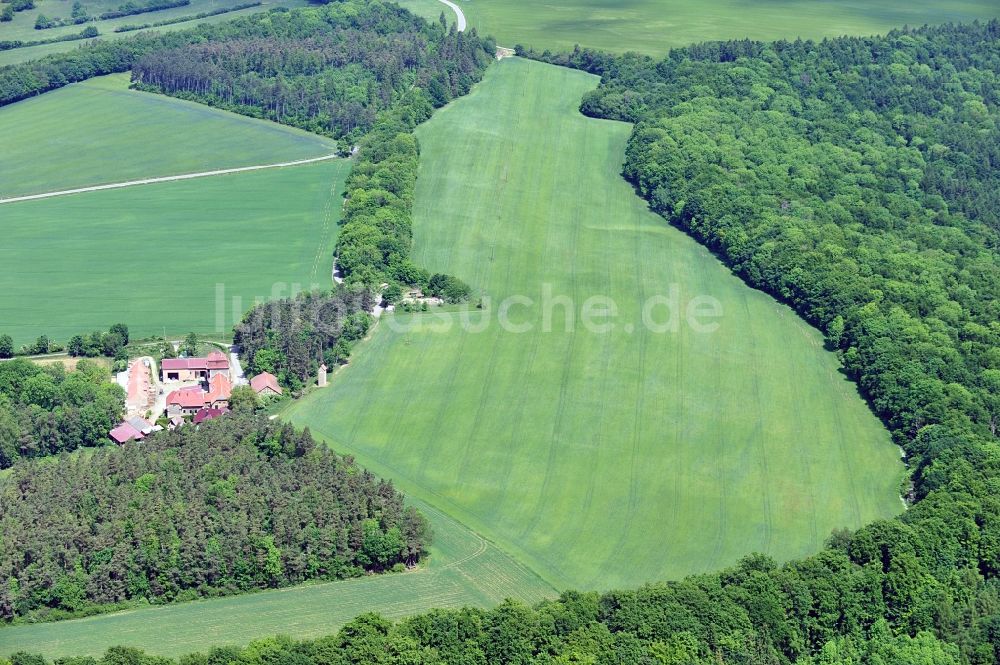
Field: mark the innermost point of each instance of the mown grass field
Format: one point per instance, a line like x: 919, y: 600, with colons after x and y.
x: 99, y: 132
x: 23, y: 26
x: 464, y: 570
x: 152, y: 256
x: 654, y: 26
x: 597, y: 459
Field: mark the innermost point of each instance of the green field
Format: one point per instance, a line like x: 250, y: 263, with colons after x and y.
x: 101, y: 132
x: 598, y: 460
x: 463, y: 570
x: 653, y: 26
x: 152, y: 256
x: 23, y: 26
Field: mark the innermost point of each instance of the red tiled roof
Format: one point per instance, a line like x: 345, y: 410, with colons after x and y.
x: 187, y: 398
x: 138, y: 383
x: 221, y: 388
x: 125, y: 432
x: 184, y: 363
x: 209, y: 414
x: 265, y: 380
x: 217, y: 360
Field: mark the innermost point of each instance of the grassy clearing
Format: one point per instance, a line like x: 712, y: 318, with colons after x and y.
x: 23, y: 26
x: 153, y: 256
x: 463, y: 570
x: 99, y: 132
x: 599, y: 460
x: 653, y: 26
x: 69, y: 363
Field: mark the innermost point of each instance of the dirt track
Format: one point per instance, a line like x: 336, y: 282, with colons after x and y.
x: 169, y: 178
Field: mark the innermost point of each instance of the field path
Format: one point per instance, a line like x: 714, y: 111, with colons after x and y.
x: 459, y: 14
x: 169, y: 178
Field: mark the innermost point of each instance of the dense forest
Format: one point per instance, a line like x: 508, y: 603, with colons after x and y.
x: 329, y: 70
x: 238, y: 503
x: 46, y: 411
x: 328, y: 67
x: 291, y: 337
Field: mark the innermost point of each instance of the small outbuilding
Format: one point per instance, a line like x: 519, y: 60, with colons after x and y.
x: 209, y: 414
x: 265, y: 384
x: 132, y: 429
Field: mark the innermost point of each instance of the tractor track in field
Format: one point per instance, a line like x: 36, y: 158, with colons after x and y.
x: 485, y: 267
x: 169, y: 178
x: 555, y: 437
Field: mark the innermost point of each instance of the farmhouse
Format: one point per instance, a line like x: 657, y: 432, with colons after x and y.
x: 195, y: 369
x: 189, y: 401
x: 265, y: 384
x: 185, y: 401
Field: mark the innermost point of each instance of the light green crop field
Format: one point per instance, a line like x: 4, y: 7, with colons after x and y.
x: 168, y: 257
x: 654, y: 26
x: 464, y: 570
x: 23, y: 26
x: 598, y: 459
x: 430, y: 10
x: 100, y: 132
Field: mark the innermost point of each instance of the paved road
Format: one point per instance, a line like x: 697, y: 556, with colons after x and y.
x: 239, y: 378
x: 169, y: 178
x: 458, y: 14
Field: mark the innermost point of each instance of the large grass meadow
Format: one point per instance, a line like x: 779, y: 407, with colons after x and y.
x: 463, y: 570
x: 654, y: 26
x: 99, y: 131
x: 598, y: 459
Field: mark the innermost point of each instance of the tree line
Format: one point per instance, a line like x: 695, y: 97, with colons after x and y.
x: 188, y: 17
x: 79, y: 15
x: 110, y: 344
x: 236, y: 504
x: 705, y: 620
x: 12, y: 6
x: 87, y: 33
x: 377, y: 237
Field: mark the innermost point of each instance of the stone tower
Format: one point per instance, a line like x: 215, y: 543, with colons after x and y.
x: 321, y: 376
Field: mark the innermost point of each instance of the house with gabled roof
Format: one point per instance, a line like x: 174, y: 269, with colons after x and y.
x: 265, y: 384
